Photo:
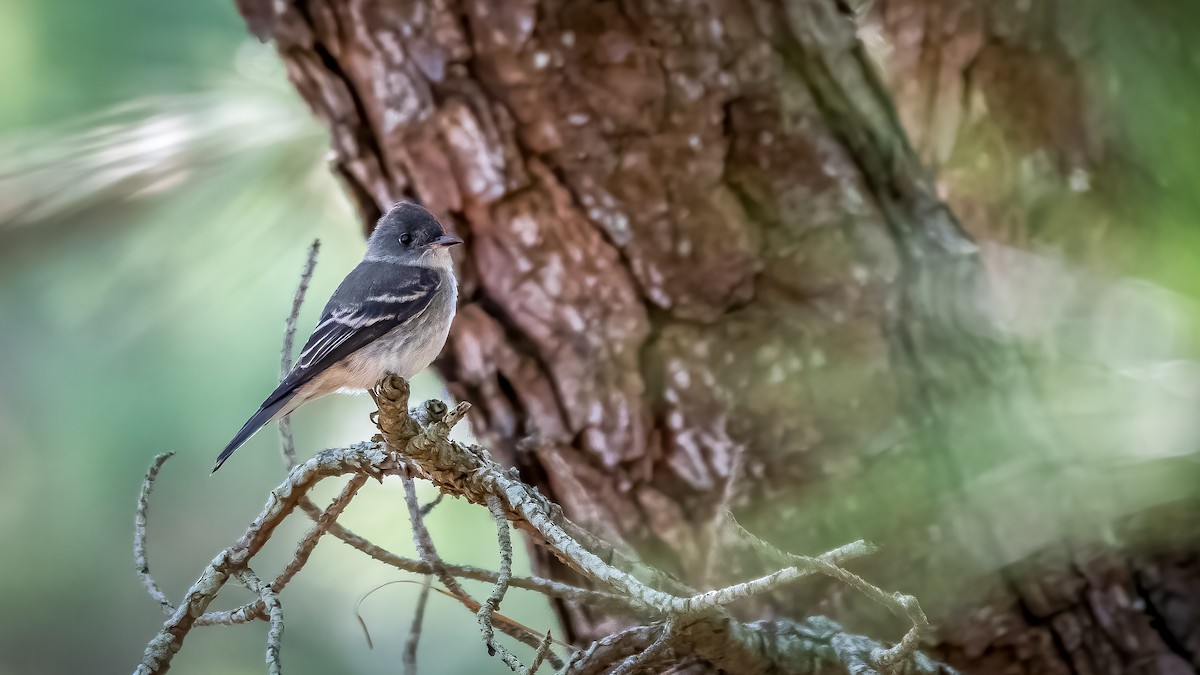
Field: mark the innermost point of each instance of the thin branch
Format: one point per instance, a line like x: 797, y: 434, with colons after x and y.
x: 251, y: 611
x: 622, y: 558
x: 426, y: 583
x: 289, y: 329
x: 254, y: 610
x: 325, y: 521
x: 414, y: 633
x: 492, y: 603
x: 712, y: 531
x: 287, y: 443
x: 305, y: 548
x: 647, y: 574
x: 541, y: 654
x: 363, y: 457
x: 816, y: 644
x: 723, y: 596
x: 640, y: 660
x: 905, y: 606
x: 274, y: 610
x: 139, y: 535
x: 423, y: 541
x: 907, y: 647
x: 547, y: 587
x: 610, y: 649
x: 168, y: 641
x: 510, y: 626
x: 425, y: 510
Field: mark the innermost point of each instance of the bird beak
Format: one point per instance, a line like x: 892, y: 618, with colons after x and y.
x: 447, y: 240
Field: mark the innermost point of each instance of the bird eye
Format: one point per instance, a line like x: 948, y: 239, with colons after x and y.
x: 406, y: 239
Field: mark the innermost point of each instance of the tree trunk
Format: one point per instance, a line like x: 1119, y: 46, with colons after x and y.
x: 707, y: 270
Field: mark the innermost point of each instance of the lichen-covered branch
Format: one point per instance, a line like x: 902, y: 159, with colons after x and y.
x: 368, y: 458
x: 423, y: 542
x: 414, y: 632
x: 488, y: 609
x: 690, y: 626
x: 469, y: 471
x: 542, y: 652
x: 614, y: 648
x: 287, y: 444
x: 309, y: 542
x: 139, y: 535
x: 274, y: 610
x: 547, y: 587
x: 642, y: 659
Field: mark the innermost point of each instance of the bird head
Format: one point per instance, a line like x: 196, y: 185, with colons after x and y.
x: 408, y: 233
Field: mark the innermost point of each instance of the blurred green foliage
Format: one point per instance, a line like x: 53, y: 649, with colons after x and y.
x: 1150, y: 57
x: 159, y: 183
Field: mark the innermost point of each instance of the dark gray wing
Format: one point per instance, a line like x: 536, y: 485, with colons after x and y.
x: 373, y: 299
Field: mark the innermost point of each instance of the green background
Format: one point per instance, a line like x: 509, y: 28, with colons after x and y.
x: 141, y: 310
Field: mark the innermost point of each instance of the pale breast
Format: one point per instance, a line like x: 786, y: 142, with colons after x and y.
x: 408, y: 348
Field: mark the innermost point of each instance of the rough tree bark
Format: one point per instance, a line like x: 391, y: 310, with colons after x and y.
x: 706, y: 269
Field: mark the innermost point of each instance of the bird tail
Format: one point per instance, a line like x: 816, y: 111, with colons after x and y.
x: 265, y: 414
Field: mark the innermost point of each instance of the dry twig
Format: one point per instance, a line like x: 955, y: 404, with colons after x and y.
x: 899, y: 604
x: 414, y: 633
x: 367, y: 458
x: 541, y: 654
x: 423, y: 541
x: 287, y: 443
x: 425, y: 510
x: 139, y: 535
x: 492, y: 603
x: 612, y: 649
x: 305, y: 548
x: 712, y: 530
x: 547, y: 587
x: 640, y: 660
x: 274, y: 611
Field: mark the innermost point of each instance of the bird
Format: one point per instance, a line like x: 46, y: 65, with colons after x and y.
x: 391, y: 314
